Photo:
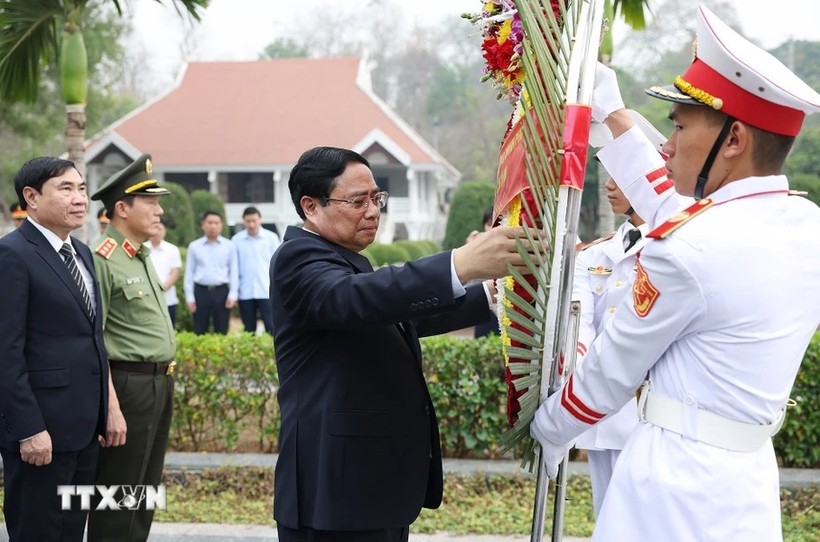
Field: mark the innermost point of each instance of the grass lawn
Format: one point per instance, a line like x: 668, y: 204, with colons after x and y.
x: 476, y: 504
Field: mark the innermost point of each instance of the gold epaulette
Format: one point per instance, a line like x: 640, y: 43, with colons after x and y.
x: 599, y: 240
x: 106, y: 248
x: 679, y: 219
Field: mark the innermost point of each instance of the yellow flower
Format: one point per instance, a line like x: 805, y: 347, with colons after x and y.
x: 513, y: 219
x: 504, y: 31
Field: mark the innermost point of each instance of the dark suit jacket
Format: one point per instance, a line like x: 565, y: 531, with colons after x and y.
x: 53, y: 363
x: 359, y: 444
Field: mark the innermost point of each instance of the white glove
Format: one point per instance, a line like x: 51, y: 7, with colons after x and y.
x: 552, y: 453
x: 606, y: 97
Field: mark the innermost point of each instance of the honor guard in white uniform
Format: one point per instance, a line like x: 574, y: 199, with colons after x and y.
x: 725, y: 301
x: 604, y: 273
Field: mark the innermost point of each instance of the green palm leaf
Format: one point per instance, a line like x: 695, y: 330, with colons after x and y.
x: 28, y: 38
x: 632, y: 11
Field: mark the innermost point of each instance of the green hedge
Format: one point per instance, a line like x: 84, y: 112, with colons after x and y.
x: 414, y: 248
x: 225, y: 393
x: 226, y: 388
x: 466, y: 382
x: 386, y: 254
x: 798, y: 442
x: 184, y: 319
x: 399, y: 251
x: 225, y: 396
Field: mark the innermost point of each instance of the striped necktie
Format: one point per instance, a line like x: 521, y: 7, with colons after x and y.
x: 71, y: 263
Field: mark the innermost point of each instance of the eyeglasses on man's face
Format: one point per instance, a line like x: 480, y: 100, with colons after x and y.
x: 360, y: 203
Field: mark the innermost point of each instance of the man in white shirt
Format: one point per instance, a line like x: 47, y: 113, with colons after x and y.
x: 255, y: 247
x: 167, y: 262
x: 211, y: 277
x: 604, y: 274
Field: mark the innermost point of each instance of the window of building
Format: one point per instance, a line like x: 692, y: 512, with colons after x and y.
x: 250, y: 186
x: 191, y: 181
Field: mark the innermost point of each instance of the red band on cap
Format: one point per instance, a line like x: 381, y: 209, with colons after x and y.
x: 742, y: 104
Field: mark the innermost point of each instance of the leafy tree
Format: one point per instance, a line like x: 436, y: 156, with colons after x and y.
x: 33, y: 34
x: 801, y: 57
x: 805, y: 155
x: 179, y: 215
x: 466, y: 121
x: 806, y: 183
x: 467, y: 211
x: 35, y: 129
x: 285, y: 48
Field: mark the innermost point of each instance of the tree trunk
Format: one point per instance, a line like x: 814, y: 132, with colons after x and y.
x: 75, y: 147
x: 75, y: 135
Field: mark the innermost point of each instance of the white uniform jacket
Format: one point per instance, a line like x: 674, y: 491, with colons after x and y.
x: 604, y: 274
x: 726, y: 306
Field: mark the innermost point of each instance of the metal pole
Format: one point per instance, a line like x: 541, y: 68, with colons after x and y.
x: 542, y: 483
x: 560, y: 501
x: 539, y: 508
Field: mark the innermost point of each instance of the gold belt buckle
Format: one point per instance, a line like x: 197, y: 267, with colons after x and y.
x: 171, y: 367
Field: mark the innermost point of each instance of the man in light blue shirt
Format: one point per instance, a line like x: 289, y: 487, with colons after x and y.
x: 255, y: 246
x: 211, y: 277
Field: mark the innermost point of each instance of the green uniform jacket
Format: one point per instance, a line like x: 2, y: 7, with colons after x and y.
x: 135, y: 317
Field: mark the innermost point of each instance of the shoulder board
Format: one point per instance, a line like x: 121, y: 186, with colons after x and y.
x: 129, y: 248
x: 599, y: 240
x: 679, y: 219
x: 106, y: 248
x: 800, y: 193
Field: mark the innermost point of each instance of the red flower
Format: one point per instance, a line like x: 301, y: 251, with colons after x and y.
x: 497, y: 55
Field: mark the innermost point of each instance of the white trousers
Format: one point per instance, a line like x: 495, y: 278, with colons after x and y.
x: 601, y: 465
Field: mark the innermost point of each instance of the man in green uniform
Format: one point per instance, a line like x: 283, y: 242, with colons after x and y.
x: 141, y: 347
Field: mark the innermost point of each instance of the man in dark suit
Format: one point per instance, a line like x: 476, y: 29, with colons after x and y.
x: 53, y: 367
x: 359, y: 448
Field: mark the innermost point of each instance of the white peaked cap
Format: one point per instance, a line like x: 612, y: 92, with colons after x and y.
x: 732, y: 75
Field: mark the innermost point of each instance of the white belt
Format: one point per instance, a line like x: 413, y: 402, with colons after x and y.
x: 704, y: 426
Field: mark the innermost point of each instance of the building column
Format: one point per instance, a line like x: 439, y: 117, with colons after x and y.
x: 281, y: 201
x: 213, y: 181
x: 412, y: 192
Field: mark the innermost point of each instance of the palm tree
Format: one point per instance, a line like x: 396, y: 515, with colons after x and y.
x: 35, y: 33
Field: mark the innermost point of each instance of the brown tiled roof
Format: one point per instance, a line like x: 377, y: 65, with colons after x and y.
x: 262, y: 113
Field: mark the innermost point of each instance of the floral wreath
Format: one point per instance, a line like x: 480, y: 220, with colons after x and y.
x: 502, y: 47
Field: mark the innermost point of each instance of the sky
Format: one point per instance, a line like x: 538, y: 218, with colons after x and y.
x: 240, y: 29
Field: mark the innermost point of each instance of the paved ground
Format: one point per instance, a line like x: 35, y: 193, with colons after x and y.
x: 194, y: 461
x: 168, y: 532
x: 211, y: 532
x: 207, y: 532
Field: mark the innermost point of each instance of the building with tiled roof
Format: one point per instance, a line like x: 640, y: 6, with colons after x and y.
x: 237, y: 129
